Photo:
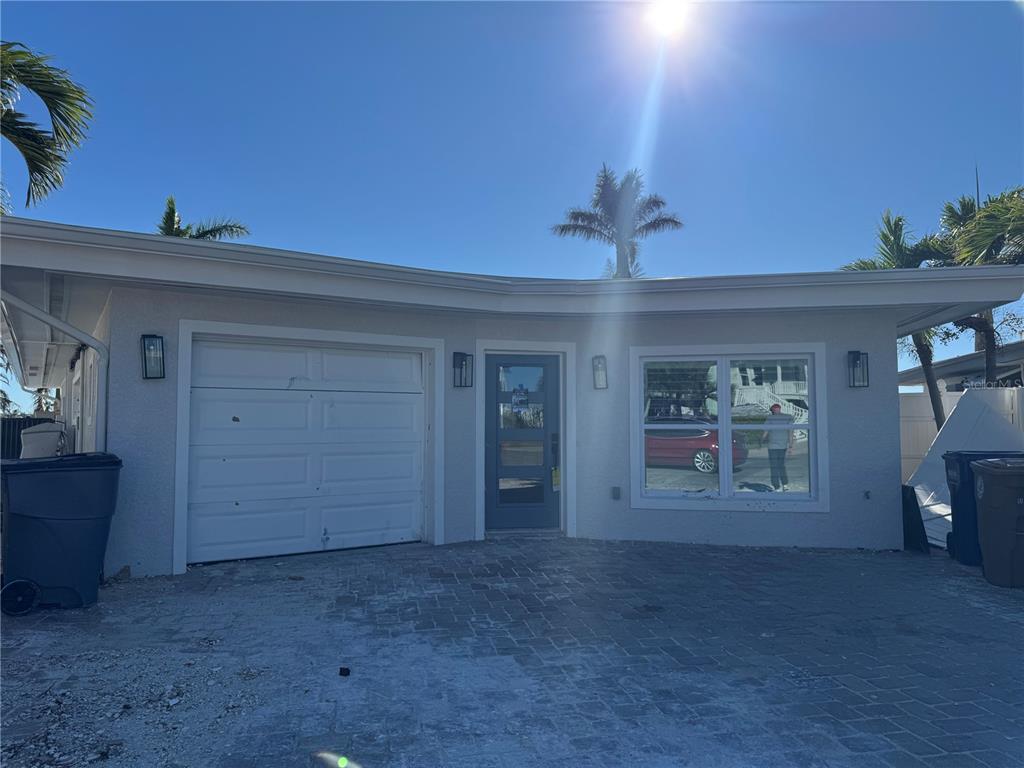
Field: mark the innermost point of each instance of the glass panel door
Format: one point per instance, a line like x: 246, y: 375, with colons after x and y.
x: 523, y: 482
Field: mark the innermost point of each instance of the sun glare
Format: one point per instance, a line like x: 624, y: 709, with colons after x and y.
x: 667, y: 18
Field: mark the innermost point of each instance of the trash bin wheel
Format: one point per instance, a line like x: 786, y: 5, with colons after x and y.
x: 19, y: 597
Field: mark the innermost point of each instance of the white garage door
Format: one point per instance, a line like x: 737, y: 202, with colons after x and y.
x: 299, y: 449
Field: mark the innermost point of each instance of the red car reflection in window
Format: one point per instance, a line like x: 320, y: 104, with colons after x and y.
x: 690, y: 443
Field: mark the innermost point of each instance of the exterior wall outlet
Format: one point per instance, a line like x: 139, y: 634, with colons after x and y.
x: 616, y: 492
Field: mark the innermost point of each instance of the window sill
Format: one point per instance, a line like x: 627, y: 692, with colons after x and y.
x: 780, y: 504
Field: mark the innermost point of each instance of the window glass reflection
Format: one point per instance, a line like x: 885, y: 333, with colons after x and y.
x: 680, y: 391
x: 522, y: 453
x: 681, y: 460
x: 778, y: 463
x: 528, y: 377
x: 521, y: 416
x: 769, y: 391
x: 518, y: 490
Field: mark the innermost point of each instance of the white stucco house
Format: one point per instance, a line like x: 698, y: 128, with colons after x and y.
x: 302, y: 402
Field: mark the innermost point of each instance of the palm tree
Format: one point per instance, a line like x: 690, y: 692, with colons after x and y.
x: 42, y: 401
x: 992, y: 233
x: 214, y: 229
x: 621, y: 215
x: 45, y: 151
x: 894, y: 252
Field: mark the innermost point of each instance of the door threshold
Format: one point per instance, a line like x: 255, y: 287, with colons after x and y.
x: 540, y: 533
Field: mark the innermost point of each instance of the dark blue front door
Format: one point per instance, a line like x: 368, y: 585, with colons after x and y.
x: 522, y: 452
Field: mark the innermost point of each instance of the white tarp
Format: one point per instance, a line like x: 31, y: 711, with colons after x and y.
x: 977, y: 423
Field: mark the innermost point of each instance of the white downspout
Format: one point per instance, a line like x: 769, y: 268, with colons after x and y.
x: 102, y: 375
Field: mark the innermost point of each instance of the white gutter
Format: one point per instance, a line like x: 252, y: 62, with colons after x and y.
x: 102, y: 377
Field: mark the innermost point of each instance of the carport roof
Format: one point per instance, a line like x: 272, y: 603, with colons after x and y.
x: 917, y: 299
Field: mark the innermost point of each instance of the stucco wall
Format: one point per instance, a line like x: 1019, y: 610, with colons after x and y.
x: 863, y: 424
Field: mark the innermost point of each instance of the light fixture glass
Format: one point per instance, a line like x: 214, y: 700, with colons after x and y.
x: 462, y: 369
x: 600, y: 364
x: 152, y: 357
x: 857, y: 362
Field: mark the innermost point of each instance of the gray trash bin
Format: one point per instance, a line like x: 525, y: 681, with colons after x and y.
x: 56, y: 518
x: 999, y: 490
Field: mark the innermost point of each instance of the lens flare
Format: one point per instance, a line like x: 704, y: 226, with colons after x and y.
x: 668, y: 18
x: 334, y: 760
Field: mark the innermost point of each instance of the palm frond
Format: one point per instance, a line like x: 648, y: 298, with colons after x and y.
x: 67, y: 102
x: 606, y: 193
x: 891, y: 247
x: 663, y: 222
x: 934, y: 251
x: 595, y: 219
x: 996, y: 234
x: 647, y: 206
x: 582, y: 231
x: 170, y: 224
x: 43, y: 160
x: 865, y: 265
x: 956, y: 216
x: 217, y: 229
x: 69, y: 108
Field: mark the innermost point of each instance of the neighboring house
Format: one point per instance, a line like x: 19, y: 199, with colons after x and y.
x: 313, y: 402
x: 967, y: 371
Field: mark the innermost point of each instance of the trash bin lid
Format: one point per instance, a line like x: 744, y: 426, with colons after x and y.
x: 43, y: 428
x: 986, y: 454
x: 60, y: 463
x: 1012, y: 466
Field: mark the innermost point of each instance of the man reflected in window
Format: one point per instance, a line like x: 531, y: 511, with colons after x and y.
x: 780, y: 443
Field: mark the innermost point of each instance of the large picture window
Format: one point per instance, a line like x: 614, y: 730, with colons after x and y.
x: 727, y: 426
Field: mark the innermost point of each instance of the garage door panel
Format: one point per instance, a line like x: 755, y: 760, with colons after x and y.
x: 359, y: 521
x: 360, y: 417
x: 227, y: 416
x: 233, y: 364
x: 383, y: 466
x: 251, y: 472
x: 223, y: 531
x: 371, y: 370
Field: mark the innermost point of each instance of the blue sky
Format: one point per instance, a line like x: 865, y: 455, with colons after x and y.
x: 453, y: 136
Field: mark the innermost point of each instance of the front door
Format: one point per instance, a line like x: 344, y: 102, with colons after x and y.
x: 522, y: 451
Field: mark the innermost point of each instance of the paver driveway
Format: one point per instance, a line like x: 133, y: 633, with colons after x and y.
x: 529, y: 652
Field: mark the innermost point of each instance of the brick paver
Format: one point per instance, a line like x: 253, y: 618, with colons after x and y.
x: 529, y: 651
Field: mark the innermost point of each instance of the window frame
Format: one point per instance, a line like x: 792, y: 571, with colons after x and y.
x: 726, y: 498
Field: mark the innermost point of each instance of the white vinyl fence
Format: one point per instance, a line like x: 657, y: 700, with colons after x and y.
x: 917, y: 427
x: 982, y: 420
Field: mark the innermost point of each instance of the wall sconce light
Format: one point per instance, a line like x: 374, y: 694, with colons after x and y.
x: 462, y: 369
x: 857, y: 362
x: 152, y: 357
x: 600, y: 363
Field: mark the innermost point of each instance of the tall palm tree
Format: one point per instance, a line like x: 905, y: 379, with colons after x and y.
x: 45, y: 151
x: 213, y: 229
x: 621, y: 215
x: 894, y: 252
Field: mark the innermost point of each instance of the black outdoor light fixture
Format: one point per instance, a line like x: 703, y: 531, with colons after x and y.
x: 600, y: 363
x: 857, y: 362
x: 152, y: 357
x: 462, y: 369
